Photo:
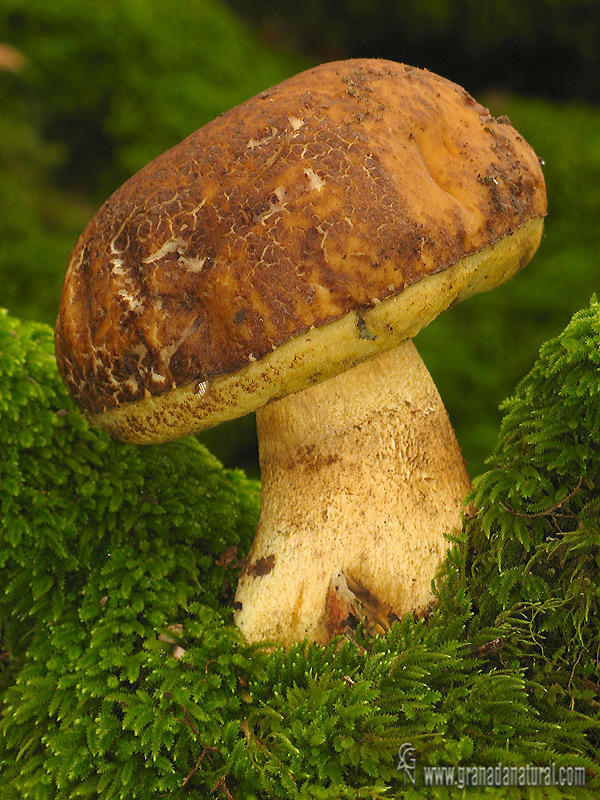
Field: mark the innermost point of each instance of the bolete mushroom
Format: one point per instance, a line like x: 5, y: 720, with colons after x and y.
x: 281, y: 259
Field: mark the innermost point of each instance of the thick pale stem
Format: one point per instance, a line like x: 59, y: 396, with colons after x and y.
x: 362, y: 478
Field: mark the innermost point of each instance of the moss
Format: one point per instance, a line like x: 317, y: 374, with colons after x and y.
x: 536, y: 537
x: 105, y: 548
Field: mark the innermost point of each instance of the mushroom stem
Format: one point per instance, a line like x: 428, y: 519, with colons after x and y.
x: 362, y: 478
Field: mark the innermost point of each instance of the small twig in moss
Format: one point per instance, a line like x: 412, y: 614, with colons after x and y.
x: 592, y: 685
x: 488, y: 648
x: 548, y: 511
x: 221, y: 786
x: 205, y: 748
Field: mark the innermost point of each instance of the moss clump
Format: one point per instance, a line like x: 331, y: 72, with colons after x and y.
x: 535, y: 542
x: 103, y: 547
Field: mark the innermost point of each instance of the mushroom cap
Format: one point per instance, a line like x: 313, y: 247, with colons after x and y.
x: 309, y: 228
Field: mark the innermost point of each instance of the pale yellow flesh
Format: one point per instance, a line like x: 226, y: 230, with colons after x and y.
x: 320, y: 353
x: 361, y: 474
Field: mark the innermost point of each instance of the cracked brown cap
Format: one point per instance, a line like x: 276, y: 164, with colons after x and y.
x: 295, y: 235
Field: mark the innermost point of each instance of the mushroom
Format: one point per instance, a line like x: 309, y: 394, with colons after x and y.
x: 281, y: 259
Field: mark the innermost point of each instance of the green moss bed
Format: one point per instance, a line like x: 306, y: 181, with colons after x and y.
x: 104, y: 547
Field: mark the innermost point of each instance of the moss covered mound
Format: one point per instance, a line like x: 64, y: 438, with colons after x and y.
x: 122, y: 675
